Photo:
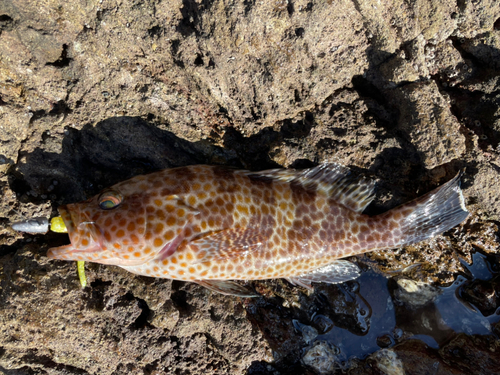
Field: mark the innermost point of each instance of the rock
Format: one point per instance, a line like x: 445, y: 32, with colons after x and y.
x: 429, y: 124
x: 485, y: 295
x: 388, y: 362
x: 415, y: 293
x: 322, y: 358
x: 92, y: 93
x: 486, y: 48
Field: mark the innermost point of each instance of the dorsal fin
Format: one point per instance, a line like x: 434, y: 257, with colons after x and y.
x: 334, y: 180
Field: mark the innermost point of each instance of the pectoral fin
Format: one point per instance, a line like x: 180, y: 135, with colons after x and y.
x: 229, y: 243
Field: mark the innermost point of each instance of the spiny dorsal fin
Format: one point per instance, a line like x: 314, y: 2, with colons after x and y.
x: 334, y: 180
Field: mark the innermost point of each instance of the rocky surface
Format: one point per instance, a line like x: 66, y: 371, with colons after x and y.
x: 94, y: 92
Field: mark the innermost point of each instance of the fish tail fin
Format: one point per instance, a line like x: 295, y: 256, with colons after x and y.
x: 431, y: 214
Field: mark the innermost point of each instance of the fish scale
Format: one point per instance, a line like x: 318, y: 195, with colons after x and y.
x: 211, y: 225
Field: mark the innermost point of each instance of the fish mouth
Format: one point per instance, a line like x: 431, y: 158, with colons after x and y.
x: 76, y: 225
x: 64, y: 252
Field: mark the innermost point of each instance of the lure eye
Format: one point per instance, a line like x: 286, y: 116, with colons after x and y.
x: 110, y: 199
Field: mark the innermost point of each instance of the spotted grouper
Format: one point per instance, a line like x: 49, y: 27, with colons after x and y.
x: 212, y: 225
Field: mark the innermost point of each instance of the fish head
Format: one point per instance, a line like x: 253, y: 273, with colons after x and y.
x: 109, y: 228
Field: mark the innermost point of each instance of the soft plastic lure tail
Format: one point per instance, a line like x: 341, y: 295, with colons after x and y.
x: 41, y: 225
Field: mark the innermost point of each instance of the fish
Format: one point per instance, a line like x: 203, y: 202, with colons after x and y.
x: 215, y: 225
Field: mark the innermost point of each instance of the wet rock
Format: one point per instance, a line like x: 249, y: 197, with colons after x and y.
x: 485, y: 295
x: 388, y: 362
x: 347, y: 308
x: 322, y: 358
x: 323, y: 323
x: 385, y: 341
x: 309, y: 333
x: 472, y: 354
x: 415, y: 293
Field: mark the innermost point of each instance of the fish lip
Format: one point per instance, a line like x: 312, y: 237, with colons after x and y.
x: 68, y: 219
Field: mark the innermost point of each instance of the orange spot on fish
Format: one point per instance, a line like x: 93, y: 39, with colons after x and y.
x: 117, y: 246
x: 137, y: 254
x: 159, y: 228
x: 85, y: 242
x: 158, y: 242
x: 169, y: 235
x: 131, y: 227
x: 171, y: 221
x: 134, y: 238
x: 158, y: 202
x: 147, y: 250
x: 120, y: 233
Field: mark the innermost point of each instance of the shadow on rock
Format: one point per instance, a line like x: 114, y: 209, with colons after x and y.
x: 98, y: 156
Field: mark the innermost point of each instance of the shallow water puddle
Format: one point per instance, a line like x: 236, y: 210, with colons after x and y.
x: 399, y: 310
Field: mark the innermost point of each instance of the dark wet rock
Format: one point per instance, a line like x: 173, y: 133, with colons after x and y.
x: 462, y: 355
x: 385, y: 341
x: 344, y: 306
x: 485, y: 295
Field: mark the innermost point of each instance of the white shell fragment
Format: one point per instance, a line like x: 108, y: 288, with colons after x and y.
x: 34, y: 225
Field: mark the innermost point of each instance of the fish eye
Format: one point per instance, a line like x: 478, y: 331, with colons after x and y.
x: 110, y: 199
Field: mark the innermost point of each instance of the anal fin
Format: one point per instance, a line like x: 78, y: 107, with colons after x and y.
x: 337, y: 272
x: 227, y: 287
